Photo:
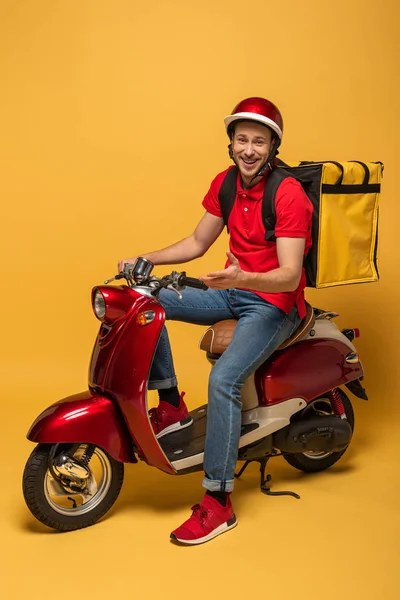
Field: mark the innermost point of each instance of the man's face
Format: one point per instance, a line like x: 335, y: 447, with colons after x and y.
x: 251, y: 145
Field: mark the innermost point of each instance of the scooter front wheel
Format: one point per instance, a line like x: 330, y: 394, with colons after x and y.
x: 71, y: 487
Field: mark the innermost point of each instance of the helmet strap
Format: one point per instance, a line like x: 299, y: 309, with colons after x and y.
x: 270, y: 162
x: 273, y: 153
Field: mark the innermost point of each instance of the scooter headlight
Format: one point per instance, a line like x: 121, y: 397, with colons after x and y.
x: 99, y: 305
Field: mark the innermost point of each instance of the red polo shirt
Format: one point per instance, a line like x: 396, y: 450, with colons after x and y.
x: 247, y: 232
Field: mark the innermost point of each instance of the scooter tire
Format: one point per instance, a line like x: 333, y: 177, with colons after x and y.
x: 302, y: 462
x: 34, y: 493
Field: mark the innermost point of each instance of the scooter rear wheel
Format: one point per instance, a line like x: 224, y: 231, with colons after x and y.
x: 62, y: 506
x: 312, y: 462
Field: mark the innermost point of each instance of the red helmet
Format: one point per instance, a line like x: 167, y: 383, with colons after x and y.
x: 257, y: 109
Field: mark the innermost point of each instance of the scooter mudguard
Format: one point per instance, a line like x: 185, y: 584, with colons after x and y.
x: 306, y: 371
x: 87, y: 417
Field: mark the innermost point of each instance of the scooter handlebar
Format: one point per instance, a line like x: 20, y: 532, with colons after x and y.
x: 192, y: 282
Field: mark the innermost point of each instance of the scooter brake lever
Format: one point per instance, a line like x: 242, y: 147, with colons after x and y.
x: 171, y: 287
x: 119, y: 276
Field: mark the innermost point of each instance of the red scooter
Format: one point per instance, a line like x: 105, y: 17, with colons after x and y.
x: 292, y: 405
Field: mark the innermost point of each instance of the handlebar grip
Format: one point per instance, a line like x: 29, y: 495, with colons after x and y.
x: 193, y: 282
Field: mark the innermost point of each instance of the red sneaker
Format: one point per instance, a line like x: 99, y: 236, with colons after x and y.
x: 166, y: 418
x: 208, y: 520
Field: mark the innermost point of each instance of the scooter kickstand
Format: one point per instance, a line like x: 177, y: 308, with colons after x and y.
x: 246, y: 464
x: 266, y: 489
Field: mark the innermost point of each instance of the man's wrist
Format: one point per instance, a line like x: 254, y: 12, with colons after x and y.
x: 247, y: 279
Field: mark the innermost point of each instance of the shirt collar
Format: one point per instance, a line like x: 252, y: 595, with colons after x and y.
x: 255, y: 192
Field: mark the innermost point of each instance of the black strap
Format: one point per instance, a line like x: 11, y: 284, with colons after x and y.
x: 324, y: 162
x: 366, y: 171
x: 268, y: 212
x: 363, y: 188
x: 352, y: 188
x: 227, y: 196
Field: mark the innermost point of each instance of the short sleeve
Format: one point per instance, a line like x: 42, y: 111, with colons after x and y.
x: 293, y: 210
x: 211, y: 200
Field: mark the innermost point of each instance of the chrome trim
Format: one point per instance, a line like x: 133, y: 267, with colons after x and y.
x: 94, y: 488
x: 141, y: 269
x: 67, y: 466
x: 144, y: 290
x: 149, y: 316
x: 99, y: 305
x: 327, y: 315
x: 352, y: 358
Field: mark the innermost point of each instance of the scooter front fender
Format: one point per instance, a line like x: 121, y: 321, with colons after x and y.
x: 86, y: 417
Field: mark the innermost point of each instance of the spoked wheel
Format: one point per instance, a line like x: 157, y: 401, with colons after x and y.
x: 68, y: 488
x: 312, y: 462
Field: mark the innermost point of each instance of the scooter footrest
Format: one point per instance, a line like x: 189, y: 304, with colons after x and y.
x: 190, y: 441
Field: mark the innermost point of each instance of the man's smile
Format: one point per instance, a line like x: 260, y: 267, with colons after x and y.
x: 249, y: 162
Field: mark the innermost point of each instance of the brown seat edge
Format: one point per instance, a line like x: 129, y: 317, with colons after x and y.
x: 217, y: 338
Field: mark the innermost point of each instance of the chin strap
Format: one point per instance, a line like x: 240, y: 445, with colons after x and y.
x: 269, y: 164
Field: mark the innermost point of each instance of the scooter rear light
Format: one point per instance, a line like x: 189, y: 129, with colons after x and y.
x: 351, y: 334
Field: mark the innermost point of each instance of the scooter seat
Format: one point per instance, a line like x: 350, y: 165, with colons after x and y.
x: 217, y: 338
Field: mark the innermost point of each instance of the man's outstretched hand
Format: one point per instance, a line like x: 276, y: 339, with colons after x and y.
x: 231, y: 277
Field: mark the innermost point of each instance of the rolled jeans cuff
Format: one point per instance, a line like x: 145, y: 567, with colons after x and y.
x: 162, y: 384
x: 218, y: 486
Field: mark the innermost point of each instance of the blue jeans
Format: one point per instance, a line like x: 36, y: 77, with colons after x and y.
x: 261, y: 328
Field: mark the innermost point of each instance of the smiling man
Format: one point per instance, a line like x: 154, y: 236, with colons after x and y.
x: 252, y: 144
x: 262, y: 286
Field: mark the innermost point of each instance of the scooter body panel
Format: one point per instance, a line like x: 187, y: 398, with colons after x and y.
x: 120, y: 367
x: 305, y: 370
x: 87, y: 417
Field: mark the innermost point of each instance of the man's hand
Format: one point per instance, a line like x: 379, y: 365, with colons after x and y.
x: 231, y: 277
x: 123, y: 262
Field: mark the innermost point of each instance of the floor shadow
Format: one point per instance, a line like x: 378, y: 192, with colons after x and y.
x: 147, y: 487
x: 32, y: 525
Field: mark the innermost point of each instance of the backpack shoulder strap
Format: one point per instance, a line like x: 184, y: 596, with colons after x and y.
x: 227, y: 194
x: 268, y: 213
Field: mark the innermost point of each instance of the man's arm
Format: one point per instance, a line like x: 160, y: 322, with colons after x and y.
x: 284, y: 279
x: 191, y: 247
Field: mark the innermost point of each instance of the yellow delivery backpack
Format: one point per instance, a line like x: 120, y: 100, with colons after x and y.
x: 345, y: 220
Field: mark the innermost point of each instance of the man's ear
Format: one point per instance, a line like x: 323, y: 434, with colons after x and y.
x: 230, y: 151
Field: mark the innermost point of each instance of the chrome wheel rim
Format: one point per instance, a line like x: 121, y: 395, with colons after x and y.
x: 74, y: 504
x: 316, y: 455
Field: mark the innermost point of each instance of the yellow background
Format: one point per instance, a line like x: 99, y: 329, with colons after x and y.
x: 111, y: 131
